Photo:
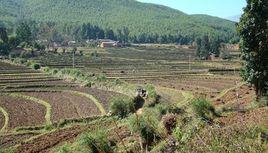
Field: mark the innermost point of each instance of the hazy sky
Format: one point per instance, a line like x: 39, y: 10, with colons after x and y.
x: 220, y: 8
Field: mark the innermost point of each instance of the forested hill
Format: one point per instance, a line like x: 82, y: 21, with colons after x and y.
x: 140, y: 18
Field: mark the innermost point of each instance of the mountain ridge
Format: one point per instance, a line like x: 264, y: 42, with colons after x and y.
x: 139, y: 17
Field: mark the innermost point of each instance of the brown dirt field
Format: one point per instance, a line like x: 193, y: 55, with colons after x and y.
x: 246, y: 96
x: 66, y: 105
x: 22, y: 112
x: 2, y: 120
x: 101, y: 95
x: 253, y: 117
x: 14, y: 139
x: 47, y: 142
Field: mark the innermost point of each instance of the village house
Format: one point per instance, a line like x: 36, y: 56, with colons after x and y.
x: 105, y: 43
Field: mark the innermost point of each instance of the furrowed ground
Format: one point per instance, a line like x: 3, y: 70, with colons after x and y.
x: 31, y: 99
x: 177, y: 76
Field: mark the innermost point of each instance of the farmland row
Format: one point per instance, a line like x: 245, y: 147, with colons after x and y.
x: 35, y: 99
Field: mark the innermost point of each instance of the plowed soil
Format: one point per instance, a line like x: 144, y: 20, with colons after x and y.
x: 254, y: 117
x: 45, y: 143
x: 22, y: 112
x: 101, y: 95
x: 237, y: 97
x: 67, y: 105
x: 14, y: 139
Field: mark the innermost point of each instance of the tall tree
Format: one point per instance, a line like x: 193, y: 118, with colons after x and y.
x: 3, y: 34
x: 215, y: 45
x: 24, y: 33
x: 205, y: 47
x: 253, y: 29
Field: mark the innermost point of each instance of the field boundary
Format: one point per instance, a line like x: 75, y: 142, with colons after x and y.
x: 39, y: 101
x: 5, y: 113
x: 91, y: 97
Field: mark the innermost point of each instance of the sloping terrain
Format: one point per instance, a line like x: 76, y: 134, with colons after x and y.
x: 140, y: 18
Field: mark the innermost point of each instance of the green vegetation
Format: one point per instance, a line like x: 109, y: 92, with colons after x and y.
x: 207, y: 46
x: 146, y: 125
x: 151, y: 91
x: 6, y: 151
x: 4, y: 47
x: 203, y: 109
x: 35, y: 66
x: 126, y: 20
x: 23, y: 33
x: 96, y: 141
x: 121, y: 106
x: 254, y: 45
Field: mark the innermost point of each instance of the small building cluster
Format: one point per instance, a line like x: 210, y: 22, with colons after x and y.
x: 106, y: 43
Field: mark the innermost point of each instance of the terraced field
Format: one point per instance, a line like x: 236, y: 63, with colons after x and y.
x: 32, y: 98
x: 54, y: 100
x: 135, y: 63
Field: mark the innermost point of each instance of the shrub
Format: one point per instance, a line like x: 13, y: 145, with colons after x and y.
x: 97, y: 141
x: 151, y: 91
x: 29, y: 63
x: 35, y: 66
x: 170, y: 122
x: 121, y: 106
x: 46, y: 69
x: 64, y: 149
x: 20, y: 60
x: 102, y: 78
x: 146, y: 125
x: 54, y: 71
x: 167, y: 108
x: 203, y: 109
x: 177, y: 133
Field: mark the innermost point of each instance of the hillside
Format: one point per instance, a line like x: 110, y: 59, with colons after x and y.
x: 140, y: 18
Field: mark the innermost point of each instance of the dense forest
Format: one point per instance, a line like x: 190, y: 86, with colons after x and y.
x: 125, y: 20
